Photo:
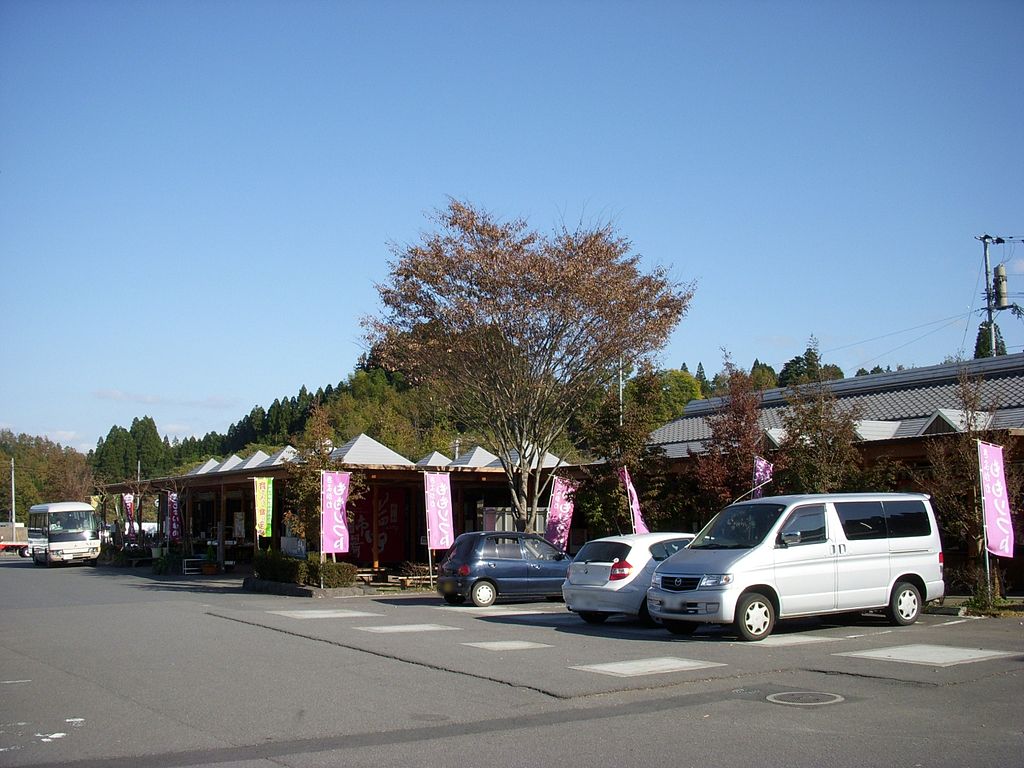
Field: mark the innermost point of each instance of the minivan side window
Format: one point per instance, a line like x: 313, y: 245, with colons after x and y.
x: 808, y: 522
x: 907, y: 518
x: 862, y: 519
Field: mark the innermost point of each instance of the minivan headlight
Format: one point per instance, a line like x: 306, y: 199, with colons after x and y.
x: 715, y: 580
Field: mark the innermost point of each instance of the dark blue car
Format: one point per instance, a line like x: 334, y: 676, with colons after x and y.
x: 481, y: 566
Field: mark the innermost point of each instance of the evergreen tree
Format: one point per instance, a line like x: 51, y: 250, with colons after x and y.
x: 705, y: 386
x: 150, y: 458
x: 983, y: 342
x: 115, y: 456
x: 763, y: 375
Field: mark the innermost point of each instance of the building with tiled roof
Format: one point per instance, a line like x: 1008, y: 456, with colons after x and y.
x: 898, y: 406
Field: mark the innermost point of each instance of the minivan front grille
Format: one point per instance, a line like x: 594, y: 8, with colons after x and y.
x: 679, y: 583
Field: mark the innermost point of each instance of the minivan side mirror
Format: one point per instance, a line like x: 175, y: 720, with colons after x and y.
x: 788, y: 539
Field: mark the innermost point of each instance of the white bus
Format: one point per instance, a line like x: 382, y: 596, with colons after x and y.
x: 63, y: 532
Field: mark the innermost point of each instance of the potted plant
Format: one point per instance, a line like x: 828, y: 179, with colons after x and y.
x: 209, y: 566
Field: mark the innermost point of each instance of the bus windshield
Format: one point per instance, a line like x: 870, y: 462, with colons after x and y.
x: 72, y: 526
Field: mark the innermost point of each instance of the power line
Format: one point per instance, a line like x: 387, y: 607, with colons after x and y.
x: 897, y: 333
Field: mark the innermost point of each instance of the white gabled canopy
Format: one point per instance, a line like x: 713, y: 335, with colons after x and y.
x: 363, y: 449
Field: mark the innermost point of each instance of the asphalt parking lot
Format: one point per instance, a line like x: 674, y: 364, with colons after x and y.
x: 119, y: 668
x: 543, y: 647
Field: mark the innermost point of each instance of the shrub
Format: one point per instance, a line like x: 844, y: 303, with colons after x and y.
x: 335, y: 574
x: 273, y: 566
x: 413, y: 569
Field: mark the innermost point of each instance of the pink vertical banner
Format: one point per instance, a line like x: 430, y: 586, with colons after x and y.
x: 334, y: 488
x: 438, y: 496
x: 639, y: 526
x: 762, y: 476
x: 174, y: 518
x: 128, y: 499
x: 560, y: 512
x: 995, y: 505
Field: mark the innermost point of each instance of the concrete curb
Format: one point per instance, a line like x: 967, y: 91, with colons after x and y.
x: 252, y: 584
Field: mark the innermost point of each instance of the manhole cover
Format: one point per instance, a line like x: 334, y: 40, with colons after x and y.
x: 805, y: 698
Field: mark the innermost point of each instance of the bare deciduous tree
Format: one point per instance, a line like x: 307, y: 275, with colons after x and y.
x: 518, y: 330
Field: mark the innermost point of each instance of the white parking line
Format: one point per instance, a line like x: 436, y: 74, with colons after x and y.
x: 931, y: 655
x: 397, y: 628
x: 340, y: 613
x: 508, y: 645
x: 655, y: 666
x: 494, y: 610
x: 782, y: 641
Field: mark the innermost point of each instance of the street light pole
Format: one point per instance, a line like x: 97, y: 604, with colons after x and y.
x: 12, y: 495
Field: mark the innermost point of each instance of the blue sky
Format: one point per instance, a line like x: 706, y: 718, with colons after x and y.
x: 196, y: 198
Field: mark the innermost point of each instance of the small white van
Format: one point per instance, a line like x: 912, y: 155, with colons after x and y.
x: 784, y: 556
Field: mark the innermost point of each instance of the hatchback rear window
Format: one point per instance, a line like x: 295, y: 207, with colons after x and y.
x: 603, y: 552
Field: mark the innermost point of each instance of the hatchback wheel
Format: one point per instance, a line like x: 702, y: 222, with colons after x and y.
x: 484, y: 594
x: 755, y: 617
x: 905, y: 604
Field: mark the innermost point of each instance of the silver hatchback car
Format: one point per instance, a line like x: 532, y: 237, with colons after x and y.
x: 611, y: 575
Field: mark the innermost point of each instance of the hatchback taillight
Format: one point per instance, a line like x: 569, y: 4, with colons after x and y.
x: 463, y: 570
x: 620, y: 570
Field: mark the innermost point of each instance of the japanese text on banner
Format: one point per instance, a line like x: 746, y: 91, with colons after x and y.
x: 438, y: 497
x: 995, y: 505
x: 264, y: 490
x: 560, y: 512
x: 334, y: 487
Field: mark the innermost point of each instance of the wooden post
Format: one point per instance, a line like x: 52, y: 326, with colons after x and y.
x: 220, y: 527
x: 374, y: 512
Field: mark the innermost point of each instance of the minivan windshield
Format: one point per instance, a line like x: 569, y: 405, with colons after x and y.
x: 742, y: 526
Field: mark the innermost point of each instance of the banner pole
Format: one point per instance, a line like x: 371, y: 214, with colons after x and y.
x: 984, y: 527
x: 321, y: 529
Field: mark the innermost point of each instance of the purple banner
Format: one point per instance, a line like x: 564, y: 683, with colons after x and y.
x: 129, y: 512
x: 438, y: 496
x: 560, y: 512
x: 762, y: 475
x: 995, y: 506
x: 174, y: 518
x: 639, y: 526
x: 333, y: 516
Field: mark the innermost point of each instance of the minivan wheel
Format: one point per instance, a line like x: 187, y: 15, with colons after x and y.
x: 483, y: 594
x: 905, y: 604
x: 755, y: 617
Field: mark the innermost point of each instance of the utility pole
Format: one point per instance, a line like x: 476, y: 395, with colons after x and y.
x: 991, y: 289
x: 989, y: 299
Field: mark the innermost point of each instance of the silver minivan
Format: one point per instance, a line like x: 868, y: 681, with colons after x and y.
x: 784, y: 556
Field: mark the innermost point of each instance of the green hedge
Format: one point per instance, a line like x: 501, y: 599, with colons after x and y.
x: 273, y: 566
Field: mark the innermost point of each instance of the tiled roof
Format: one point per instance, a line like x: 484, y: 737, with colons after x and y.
x: 435, y: 459
x: 892, y: 405
x: 363, y: 449
x: 478, y: 457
